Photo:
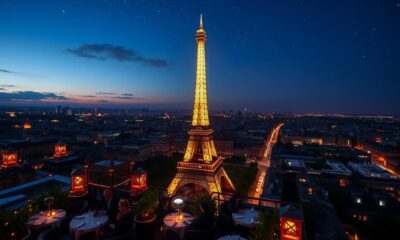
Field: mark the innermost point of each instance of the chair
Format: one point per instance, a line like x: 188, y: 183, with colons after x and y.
x: 171, y: 235
x: 225, y: 223
x: 53, y: 234
x: 195, y: 234
x: 131, y: 235
x: 27, y: 235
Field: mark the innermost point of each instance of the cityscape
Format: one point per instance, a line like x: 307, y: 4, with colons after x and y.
x: 193, y: 120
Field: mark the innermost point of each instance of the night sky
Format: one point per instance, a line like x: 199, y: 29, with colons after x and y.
x: 339, y: 56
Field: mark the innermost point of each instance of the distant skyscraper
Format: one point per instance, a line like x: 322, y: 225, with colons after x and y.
x: 96, y: 110
x: 58, y: 109
x: 201, y: 166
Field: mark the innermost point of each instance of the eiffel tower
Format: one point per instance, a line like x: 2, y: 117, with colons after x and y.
x: 201, y: 165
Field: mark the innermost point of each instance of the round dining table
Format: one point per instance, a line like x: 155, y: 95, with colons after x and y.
x: 43, y: 219
x: 232, y: 237
x: 247, y: 218
x: 171, y: 222
x: 88, y: 222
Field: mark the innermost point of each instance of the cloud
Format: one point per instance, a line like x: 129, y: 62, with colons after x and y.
x: 114, y: 52
x: 8, y: 85
x: 125, y: 97
x: 87, y: 96
x: 107, y: 93
x: 102, y: 101
x: 6, y: 71
x: 29, y: 96
x: 2, y: 89
x: 127, y: 94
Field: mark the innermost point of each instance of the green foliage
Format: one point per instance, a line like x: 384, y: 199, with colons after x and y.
x: 61, y: 199
x: 149, y: 202
x: 268, y: 229
x: 193, y: 206
x: 16, y: 221
x: 242, y: 177
x: 160, y: 169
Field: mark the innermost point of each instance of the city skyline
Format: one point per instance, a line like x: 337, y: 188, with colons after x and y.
x: 274, y: 57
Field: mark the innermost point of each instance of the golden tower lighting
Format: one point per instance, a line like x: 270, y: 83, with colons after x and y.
x: 200, y: 164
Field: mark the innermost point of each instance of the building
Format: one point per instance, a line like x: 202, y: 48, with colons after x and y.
x: 201, y: 170
x: 160, y: 144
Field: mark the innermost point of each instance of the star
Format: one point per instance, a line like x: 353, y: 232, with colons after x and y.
x: 63, y: 11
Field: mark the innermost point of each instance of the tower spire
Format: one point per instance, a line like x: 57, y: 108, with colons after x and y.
x: 201, y: 165
x: 200, y: 109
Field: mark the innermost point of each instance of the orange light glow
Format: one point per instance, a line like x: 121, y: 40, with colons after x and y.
x: 9, y: 159
x: 290, y: 229
x: 78, y: 183
x: 60, y: 149
x: 139, y: 180
x: 27, y: 125
x: 343, y: 182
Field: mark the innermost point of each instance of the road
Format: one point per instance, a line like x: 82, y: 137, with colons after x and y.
x: 264, y: 164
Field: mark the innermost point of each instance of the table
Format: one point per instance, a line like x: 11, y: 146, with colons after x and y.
x: 179, y: 226
x: 87, y: 222
x: 41, y: 219
x: 248, y: 218
x: 232, y: 237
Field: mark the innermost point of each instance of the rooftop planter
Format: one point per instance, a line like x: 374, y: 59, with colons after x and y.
x: 147, y: 207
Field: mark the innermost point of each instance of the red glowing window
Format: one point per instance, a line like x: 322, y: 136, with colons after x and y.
x: 9, y: 158
x: 60, y: 149
x: 139, y: 180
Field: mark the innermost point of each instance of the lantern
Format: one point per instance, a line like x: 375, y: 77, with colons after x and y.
x: 178, y: 203
x: 60, y: 149
x: 290, y: 223
x: 27, y: 125
x: 78, y: 183
x: 138, y: 181
x: 10, y: 158
x: 49, y: 201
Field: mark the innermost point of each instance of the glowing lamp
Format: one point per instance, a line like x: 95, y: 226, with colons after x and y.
x: 78, y: 183
x: 138, y: 181
x: 27, y: 125
x: 49, y: 201
x: 10, y: 158
x: 60, y: 149
x: 178, y: 203
x: 290, y: 223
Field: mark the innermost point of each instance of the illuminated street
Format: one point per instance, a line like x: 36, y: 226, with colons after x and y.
x: 264, y: 164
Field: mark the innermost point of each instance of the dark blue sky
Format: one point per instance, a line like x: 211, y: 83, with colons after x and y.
x: 299, y: 56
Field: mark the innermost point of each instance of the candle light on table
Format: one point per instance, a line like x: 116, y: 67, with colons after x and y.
x: 178, y: 203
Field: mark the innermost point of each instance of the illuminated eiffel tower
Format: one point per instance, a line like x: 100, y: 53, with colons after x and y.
x: 201, y: 166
